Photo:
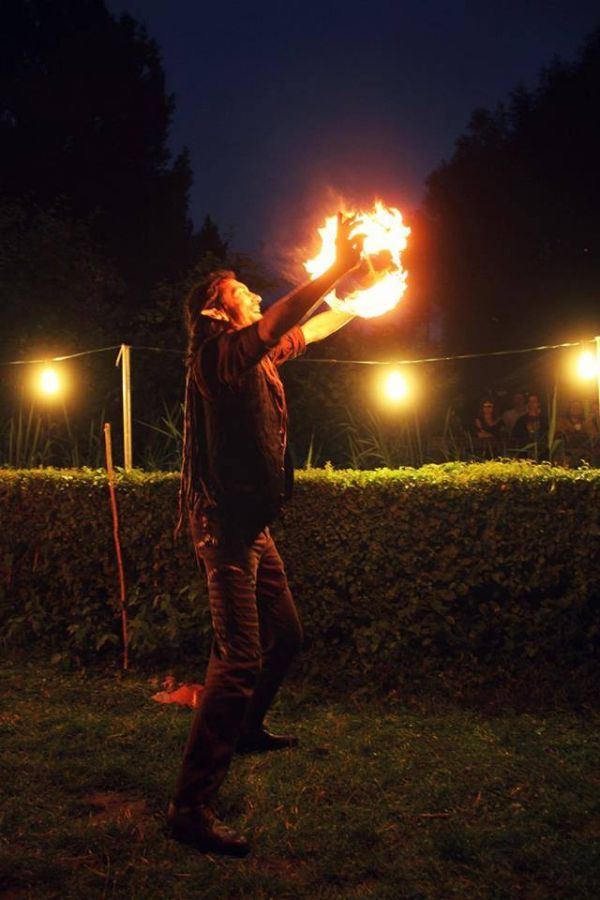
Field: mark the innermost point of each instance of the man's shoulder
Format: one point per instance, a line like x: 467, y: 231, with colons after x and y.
x: 227, y: 353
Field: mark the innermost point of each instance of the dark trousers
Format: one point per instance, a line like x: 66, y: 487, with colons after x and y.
x: 257, y: 632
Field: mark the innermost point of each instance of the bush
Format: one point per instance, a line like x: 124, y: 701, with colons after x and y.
x: 473, y: 567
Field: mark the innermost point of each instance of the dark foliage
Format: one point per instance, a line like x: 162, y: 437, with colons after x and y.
x: 84, y: 124
x: 514, y: 226
x: 55, y: 283
x: 478, y: 569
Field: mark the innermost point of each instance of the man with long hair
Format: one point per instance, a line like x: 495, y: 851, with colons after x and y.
x: 236, y: 475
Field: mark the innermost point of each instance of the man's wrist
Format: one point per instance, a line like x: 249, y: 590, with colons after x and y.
x: 337, y: 270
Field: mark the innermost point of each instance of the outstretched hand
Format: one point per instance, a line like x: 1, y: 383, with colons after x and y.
x: 348, y: 246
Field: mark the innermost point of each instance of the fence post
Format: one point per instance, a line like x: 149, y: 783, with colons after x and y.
x: 124, y: 358
x: 597, y: 340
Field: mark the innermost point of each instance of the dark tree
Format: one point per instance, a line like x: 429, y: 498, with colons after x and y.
x: 84, y: 124
x: 513, y: 216
x: 55, y: 285
x: 209, y: 240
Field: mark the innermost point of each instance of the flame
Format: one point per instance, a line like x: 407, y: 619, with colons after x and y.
x: 378, y: 284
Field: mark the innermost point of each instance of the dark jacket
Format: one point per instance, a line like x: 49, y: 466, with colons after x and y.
x: 530, y: 429
x: 240, y: 438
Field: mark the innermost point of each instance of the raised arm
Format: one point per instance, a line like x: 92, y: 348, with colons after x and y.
x: 292, y: 308
x: 324, y: 324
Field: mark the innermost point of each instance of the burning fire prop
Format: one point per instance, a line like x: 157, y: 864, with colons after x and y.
x: 378, y: 284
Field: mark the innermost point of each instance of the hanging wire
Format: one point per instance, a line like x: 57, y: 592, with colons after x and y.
x: 433, y: 359
x: 47, y: 359
x: 161, y: 350
x: 355, y: 362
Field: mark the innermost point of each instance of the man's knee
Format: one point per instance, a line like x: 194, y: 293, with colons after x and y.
x: 239, y: 668
x: 232, y: 597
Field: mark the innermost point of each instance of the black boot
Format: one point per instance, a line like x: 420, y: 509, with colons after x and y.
x: 262, y: 741
x: 199, y: 827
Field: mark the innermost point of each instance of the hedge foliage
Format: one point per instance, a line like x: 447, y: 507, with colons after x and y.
x: 395, y: 572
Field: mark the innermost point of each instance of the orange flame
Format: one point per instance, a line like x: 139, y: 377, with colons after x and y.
x: 379, y: 282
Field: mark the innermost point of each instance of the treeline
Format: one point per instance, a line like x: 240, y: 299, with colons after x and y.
x: 94, y: 207
x: 511, y: 220
x: 97, y: 246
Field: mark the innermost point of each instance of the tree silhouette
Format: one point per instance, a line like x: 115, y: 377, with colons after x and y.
x: 209, y: 240
x: 513, y: 215
x: 55, y: 285
x: 84, y: 124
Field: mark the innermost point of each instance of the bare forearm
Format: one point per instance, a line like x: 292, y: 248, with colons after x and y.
x: 292, y: 308
x: 324, y: 324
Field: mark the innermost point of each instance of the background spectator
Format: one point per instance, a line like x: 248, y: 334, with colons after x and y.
x: 518, y: 409
x: 531, y: 430
x: 578, y: 432
x: 488, y: 428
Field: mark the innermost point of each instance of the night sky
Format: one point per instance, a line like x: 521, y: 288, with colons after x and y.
x: 285, y: 104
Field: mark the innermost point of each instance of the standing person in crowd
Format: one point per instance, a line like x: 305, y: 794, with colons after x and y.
x: 236, y: 475
x: 518, y: 409
x: 531, y: 429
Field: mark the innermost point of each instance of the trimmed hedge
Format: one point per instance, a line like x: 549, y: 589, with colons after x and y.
x: 396, y: 573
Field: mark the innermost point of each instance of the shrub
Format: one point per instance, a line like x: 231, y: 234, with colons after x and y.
x: 400, y: 572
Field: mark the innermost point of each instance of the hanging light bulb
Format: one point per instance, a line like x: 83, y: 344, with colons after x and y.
x: 49, y: 382
x: 587, y: 367
x: 395, y: 387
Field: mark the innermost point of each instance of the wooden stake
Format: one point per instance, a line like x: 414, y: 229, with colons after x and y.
x: 124, y: 358
x: 597, y: 342
x: 115, y: 518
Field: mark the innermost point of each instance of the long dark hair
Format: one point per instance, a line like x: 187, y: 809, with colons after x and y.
x: 480, y: 413
x: 205, y: 297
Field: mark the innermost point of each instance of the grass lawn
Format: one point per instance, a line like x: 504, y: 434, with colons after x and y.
x: 384, y: 799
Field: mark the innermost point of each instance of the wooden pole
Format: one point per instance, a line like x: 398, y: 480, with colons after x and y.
x: 117, y: 540
x: 124, y: 358
x: 597, y: 341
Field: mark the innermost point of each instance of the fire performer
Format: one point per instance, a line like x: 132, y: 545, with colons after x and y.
x: 236, y: 475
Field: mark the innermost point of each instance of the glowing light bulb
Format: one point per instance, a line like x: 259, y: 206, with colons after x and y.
x: 396, y: 387
x: 49, y: 382
x: 586, y: 366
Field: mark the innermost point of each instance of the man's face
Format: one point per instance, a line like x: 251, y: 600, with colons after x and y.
x: 534, y: 407
x: 237, y: 296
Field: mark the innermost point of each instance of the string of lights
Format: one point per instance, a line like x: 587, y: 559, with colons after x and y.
x: 312, y: 359
x: 397, y: 387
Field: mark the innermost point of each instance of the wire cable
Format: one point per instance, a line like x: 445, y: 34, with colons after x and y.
x: 310, y: 359
x: 433, y: 359
x: 47, y: 359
